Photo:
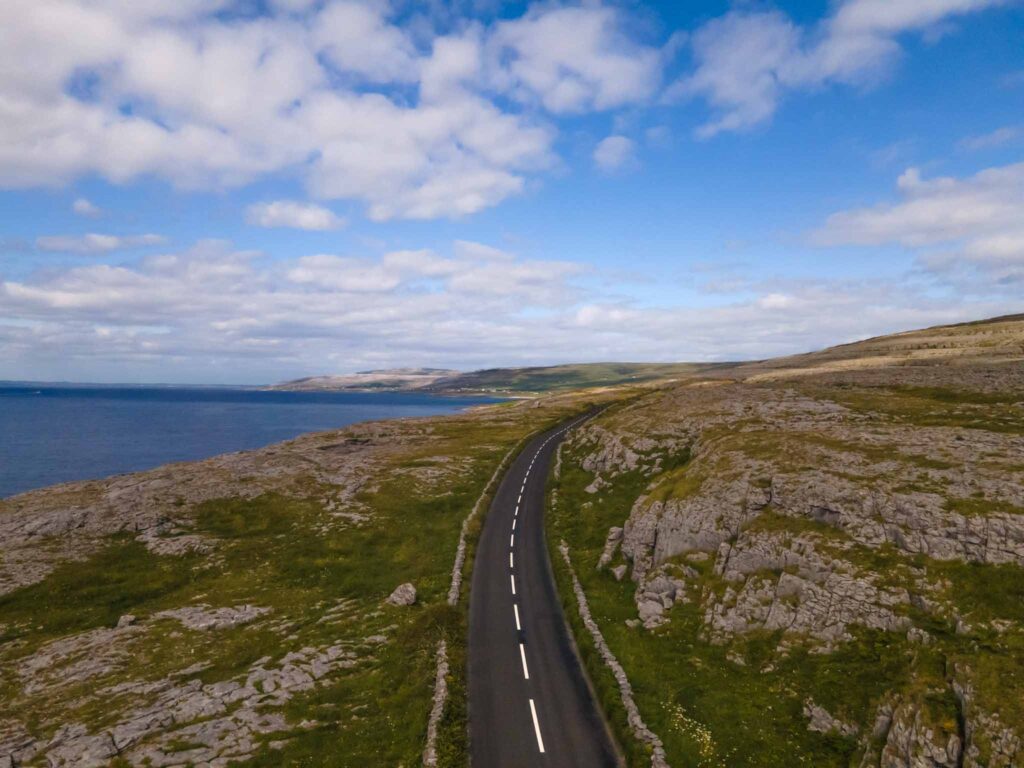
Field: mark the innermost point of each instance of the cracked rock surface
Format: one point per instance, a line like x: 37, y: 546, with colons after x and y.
x: 869, y: 497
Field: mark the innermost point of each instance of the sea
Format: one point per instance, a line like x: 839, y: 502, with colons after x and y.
x: 57, y: 433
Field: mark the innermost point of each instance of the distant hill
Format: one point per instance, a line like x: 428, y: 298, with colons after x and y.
x: 394, y: 379
x: 506, y: 380
x: 995, y: 340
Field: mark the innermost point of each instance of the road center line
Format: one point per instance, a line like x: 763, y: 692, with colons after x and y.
x: 536, y: 727
x: 522, y: 655
x: 515, y: 607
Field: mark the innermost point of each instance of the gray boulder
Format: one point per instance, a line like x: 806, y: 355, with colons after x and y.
x: 404, y: 594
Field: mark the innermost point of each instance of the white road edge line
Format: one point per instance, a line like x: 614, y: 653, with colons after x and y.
x: 536, y: 726
x: 522, y: 655
x: 515, y: 607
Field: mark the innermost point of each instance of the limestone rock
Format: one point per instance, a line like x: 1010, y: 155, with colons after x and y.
x: 611, y: 545
x: 204, y: 618
x: 821, y: 721
x: 404, y: 594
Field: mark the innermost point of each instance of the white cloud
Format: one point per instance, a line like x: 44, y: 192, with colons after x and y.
x: 997, y: 138
x: 338, y: 93
x: 84, y: 207
x: 573, y: 59
x: 955, y: 225
x: 94, y: 243
x: 288, y: 213
x: 747, y: 61
x: 614, y: 152
x: 358, y: 39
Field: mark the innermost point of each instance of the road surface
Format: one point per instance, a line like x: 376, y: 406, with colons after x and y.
x: 529, y: 702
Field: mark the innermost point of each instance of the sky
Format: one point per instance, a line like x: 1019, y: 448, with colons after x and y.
x: 247, y: 191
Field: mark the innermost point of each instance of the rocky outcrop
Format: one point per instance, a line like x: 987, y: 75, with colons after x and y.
x: 832, y: 506
x: 204, y: 618
x: 221, y: 721
x: 989, y: 743
x: 820, y: 720
x: 611, y: 545
x: 909, y: 738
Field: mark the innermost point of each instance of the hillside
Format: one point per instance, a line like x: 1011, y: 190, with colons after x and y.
x: 393, y: 379
x: 533, y: 380
x: 999, y: 340
x: 817, y: 560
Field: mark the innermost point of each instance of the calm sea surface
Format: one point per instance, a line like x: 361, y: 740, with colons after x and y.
x: 53, y: 434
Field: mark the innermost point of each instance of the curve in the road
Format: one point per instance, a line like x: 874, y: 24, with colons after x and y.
x: 529, y: 700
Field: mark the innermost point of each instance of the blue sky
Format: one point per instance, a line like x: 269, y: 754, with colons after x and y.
x: 241, y: 192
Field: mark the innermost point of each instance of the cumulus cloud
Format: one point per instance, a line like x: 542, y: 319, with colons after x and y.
x: 84, y: 207
x: 339, y: 93
x: 954, y: 224
x: 573, y: 59
x: 96, y: 244
x: 747, y: 61
x: 292, y: 214
x: 614, y: 152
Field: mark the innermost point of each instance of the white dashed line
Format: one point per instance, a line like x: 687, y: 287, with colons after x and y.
x: 515, y: 607
x: 514, y: 523
x: 513, y: 577
x: 536, y: 726
x: 517, y: 511
x: 522, y: 655
x: 511, y: 541
x: 511, y: 562
x: 520, y: 499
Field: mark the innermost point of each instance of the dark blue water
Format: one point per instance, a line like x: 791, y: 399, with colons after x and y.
x: 52, y: 434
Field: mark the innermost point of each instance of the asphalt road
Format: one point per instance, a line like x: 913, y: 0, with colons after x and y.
x: 529, y: 702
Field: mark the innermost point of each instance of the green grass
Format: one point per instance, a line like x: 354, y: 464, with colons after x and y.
x: 122, y: 578
x: 982, y: 507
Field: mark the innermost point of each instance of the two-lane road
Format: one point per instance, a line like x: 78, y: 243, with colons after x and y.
x: 529, y: 702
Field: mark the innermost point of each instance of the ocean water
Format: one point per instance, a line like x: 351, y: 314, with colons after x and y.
x: 53, y: 434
